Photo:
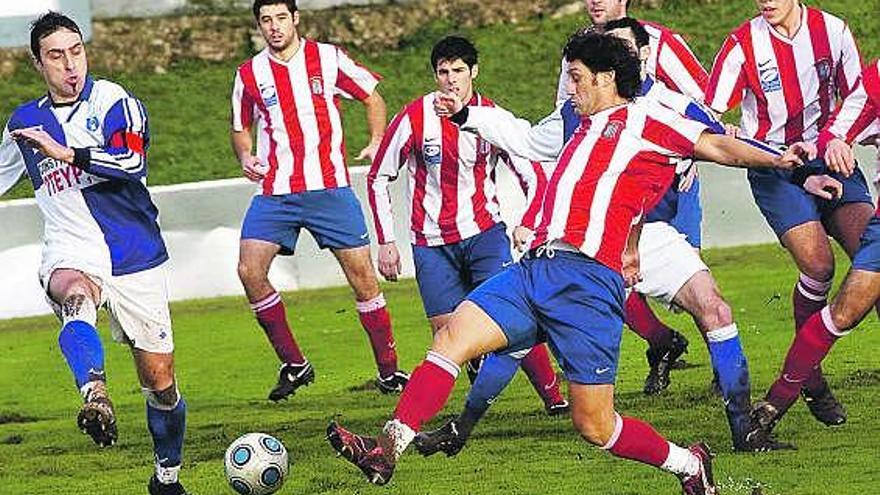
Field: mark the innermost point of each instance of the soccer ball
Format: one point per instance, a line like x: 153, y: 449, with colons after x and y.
x: 256, y: 464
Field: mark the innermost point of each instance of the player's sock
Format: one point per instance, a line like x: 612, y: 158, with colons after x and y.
x: 81, y: 346
x: 809, y: 348
x: 427, y: 391
x: 167, y: 425
x: 495, y: 374
x: 809, y: 297
x: 272, y: 317
x: 640, y: 318
x: 636, y: 440
x: 537, y: 367
x: 732, y: 369
x: 377, y: 323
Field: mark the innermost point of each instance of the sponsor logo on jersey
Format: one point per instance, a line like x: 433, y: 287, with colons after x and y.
x: 769, y: 77
x: 58, y: 176
x: 317, y: 85
x: 92, y: 123
x: 431, y: 152
x: 269, y: 95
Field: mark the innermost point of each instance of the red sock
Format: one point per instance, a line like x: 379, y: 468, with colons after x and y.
x: 377, y: 323
x: 810, y: 346
x: 537, y: 367
x: 428, y: 390
x: 640, y: 318
x: 636, y: 440
x: 272, y: 317
x: 809, y: 297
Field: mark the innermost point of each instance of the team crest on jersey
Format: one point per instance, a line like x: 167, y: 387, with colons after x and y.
x: 269, y: 95
x: 484, y: 147
x: 769, y: 77
x: 92, y: 123
x: 431, y: 152
x: 317, y: 85
x: 612, y: 129
x: 823, y: 69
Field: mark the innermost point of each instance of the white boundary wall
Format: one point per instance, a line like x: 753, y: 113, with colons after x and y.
x: 201, y: 224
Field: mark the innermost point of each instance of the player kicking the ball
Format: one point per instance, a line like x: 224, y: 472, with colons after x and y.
x: 571, y: 285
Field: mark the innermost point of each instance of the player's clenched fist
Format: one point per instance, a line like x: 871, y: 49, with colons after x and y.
x: 446, y: 104
x: 253, y: 169
x: 796, y: 154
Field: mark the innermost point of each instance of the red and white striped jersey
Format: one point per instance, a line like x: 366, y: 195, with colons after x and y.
x: 618, y: 164
x: 451, y: 176
x: 788, y: 87
x: 858, y: 117
x: 671, y: 62
x: 295, y: 108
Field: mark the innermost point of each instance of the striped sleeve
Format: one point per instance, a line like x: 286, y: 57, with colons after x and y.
x: 850, y: 68
x: 126, y: 139
x: 857, y: 117
x: 354, y: 81
x: 679, y: 68
x: 394, y: 151
x: 243, y: 105
x: 727, y: 80
x: 670, y: 133
x: 11, y: 162
x: 533, y: 182
x: 542, y: 142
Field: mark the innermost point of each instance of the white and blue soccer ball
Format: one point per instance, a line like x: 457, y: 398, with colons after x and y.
x: 256, y: 464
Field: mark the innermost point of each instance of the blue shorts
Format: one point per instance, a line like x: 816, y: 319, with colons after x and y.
x: 573, y: 302
x: 786, y: 205
x: 867, y: 258
x: 688, y: 217
x: 332, y: 216
x: 447, y: 274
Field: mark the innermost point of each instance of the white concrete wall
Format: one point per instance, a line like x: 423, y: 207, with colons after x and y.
x: 201, y: 224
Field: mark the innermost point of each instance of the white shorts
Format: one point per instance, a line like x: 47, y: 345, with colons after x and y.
x: 666, y: 261
x: 138, y: 307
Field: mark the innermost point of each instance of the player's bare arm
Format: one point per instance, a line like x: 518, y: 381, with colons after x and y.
x: 377, y: 115
x: 242, y: 145
x: 726, y: 150
x: 40, y: 140
x: 630, y: 266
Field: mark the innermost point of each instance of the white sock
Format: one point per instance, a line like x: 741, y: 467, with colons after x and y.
x: 681, y: 461
x: 167, y: 475
x: 400, y: 435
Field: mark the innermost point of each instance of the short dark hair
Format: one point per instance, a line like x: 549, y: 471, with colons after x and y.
x: 606, y: 53
x: 291, y: 5
x: 47, y: 24
x: 452, y: 48
x: 638, y: 30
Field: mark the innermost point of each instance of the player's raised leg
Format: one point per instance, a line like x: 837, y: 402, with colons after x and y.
x: 374, y: 316
x: 76, y: 298
x: 255, y: 257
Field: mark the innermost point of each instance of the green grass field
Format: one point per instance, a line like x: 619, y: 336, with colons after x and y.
x: 225, y: 368
x: 189, y: 105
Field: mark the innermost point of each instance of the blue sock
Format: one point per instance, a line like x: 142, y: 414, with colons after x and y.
x: 732, y: 368
x: 167, y: 428
x: 83, y: 351
x: 495, y: 374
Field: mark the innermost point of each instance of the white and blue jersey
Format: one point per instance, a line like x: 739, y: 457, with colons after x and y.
x: 98, y: 214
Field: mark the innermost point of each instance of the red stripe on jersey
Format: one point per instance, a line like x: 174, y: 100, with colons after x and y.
x: 346, y: 84
x: 250, y: 86
x: 374, y: 169
x: 585, y: 189
x: 751, y: 69
x: 322, y: 116
x: 821, y: 52
x: 693, y: 66
x: 531, y: 213
x: 291, y: 121
x: 128, y: 140
x: 717, y: 70
x: 478, y: 200
x: 246, y: 112
x: 417, y: 218
x: 791, y: 89
x: 449, y: 182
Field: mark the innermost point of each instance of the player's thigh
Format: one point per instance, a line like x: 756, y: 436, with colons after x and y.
x: 506, y: 300
x: 274, y: 220
x: 469, y: 333
x: 64, y: 282
x: 592, y: 411
x: 357, y: 266
x: 667, y: 261
x: 487, y: 254
x: 155, y: 370
x: 579, y: 303
x: 335, y: 219
x: 847, y: 222
x: 138, y: 308
x: 439, y: 321
x: 442, y: 285
x: 810, y: 249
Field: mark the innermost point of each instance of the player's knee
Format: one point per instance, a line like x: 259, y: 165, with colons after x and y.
x: 165, y: 399
x: 844, y: 318
x: 250, y: 275
x: 590, y: 428
x: 78, y: 305
x: 820, y: 269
